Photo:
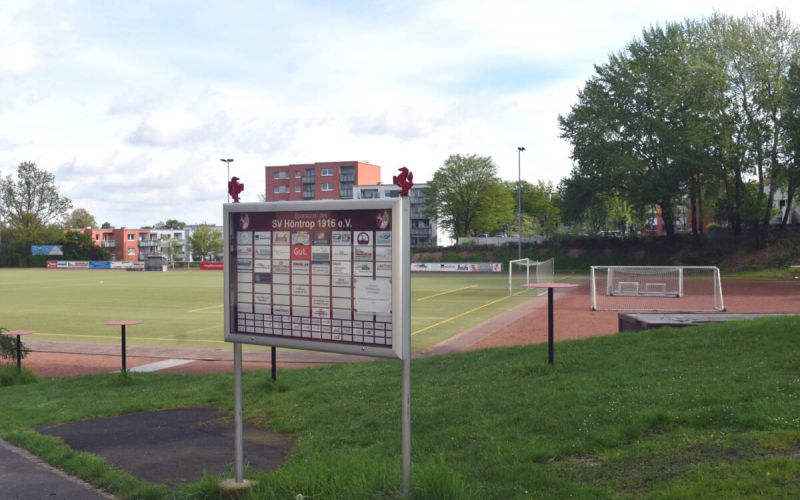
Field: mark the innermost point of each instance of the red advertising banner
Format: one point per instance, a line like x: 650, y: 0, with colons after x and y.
x: 52, y: 264
x: 212, y: 266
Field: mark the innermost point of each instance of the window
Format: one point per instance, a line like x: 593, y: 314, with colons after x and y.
x: 281, y: 189
x: 96, y: 237
x: 298, y: 174
x: 297, y: 188
x: 327, y: 186
x: 131, y: 251
x: 326, y: 172
x: 347, y: 174
x: 282, y: 174
x: 369, y: 193
x: 131, y: 237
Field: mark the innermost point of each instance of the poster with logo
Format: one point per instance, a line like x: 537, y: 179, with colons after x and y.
x: 324, y: 275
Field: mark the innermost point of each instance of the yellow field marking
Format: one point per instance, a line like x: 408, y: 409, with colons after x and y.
x: 445, y: 293
x: 205, y: 308
x: 468, y: 312
x: 168, y: 339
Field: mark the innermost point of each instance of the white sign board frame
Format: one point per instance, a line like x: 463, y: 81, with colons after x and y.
x: 297, y: 220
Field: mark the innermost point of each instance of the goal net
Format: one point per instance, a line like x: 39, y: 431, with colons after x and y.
x: 656, y: 288
x: 523, y: 272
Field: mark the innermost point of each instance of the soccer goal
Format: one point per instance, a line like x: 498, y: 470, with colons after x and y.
x: 526, y: 271
x: 656, y: 288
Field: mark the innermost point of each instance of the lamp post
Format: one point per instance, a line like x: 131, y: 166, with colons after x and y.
x: 228, y: 161
x: 520, y: 149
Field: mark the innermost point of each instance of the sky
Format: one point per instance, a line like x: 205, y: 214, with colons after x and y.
x: 131, y: 105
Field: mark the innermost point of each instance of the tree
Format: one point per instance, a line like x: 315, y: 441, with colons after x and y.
x: 538, y: 205
x: 174, y: 224
x: 755, y: 54
x: 79, y: 246
x: 791, y: 127
x: 206, y: 242
x: 467, y: 198
x: 106, y: 225
x: 32, y: 200
x: 80, y: 218
x: 639, y: 123
x: 171, y: 248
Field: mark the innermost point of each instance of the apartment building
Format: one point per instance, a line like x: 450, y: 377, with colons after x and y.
x: 423, y: 228
x: 123, y: 243
x: 333, y: 180
x: 126, y: 244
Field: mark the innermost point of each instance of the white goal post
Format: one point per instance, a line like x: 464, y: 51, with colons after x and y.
x: 525, y: 271
x: 656, y: 288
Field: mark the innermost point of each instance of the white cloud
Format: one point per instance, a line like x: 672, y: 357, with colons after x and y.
x: 18, y: 58
x: 173, y: 128
x: 132, y: 105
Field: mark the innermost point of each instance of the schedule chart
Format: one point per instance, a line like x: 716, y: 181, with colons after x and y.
x: 317, y: 275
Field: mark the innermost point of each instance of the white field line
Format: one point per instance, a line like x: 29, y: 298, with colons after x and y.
x: 160, y: 365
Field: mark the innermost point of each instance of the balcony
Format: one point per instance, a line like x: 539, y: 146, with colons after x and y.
x: 309, y: 179
x: 308, y: 195
x: 109, y: 243
x: 346, y: 193
x: 148, y: 243
x: 347, y: 178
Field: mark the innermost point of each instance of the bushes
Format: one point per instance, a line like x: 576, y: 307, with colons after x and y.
x: 8, y: 347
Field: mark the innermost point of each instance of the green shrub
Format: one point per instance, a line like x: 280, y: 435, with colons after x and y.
x: 8, y: 347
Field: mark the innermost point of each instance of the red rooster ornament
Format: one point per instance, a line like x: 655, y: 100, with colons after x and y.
x: 405, y: 180
x: 234, y: 188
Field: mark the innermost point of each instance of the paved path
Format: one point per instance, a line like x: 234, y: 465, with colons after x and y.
x: 25, y: 477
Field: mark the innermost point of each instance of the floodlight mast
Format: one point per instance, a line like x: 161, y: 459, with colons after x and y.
x: 228, y: 162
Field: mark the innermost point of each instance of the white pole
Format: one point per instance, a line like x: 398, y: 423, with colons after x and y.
x: 227, y: 162
x: 406, y: 353
x: 592, y: 291
x: 510, y: 265
x: 237, y: 413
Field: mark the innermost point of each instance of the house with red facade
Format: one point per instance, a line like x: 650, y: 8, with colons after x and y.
x: 332, y: 180
x: 123, y: 243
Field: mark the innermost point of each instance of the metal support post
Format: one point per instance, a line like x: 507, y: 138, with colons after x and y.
x: 237, y: 413
x: 406, y: 426
x: 550, y: 350
x: 124, y: 361
x: 274, y: 363
x: 406, y: 353
x: 19, y: 353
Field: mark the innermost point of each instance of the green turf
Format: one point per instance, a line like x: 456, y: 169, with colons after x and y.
x: 185, y: 308
x: 705, y: 412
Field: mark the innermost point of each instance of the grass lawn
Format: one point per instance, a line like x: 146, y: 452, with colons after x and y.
x: 706, y: 412
x: 185, y: 308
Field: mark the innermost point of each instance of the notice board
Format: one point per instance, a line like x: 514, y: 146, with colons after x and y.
x: 328, y: 275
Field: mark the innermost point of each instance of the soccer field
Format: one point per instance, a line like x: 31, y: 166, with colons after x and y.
x: 182, y: 308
